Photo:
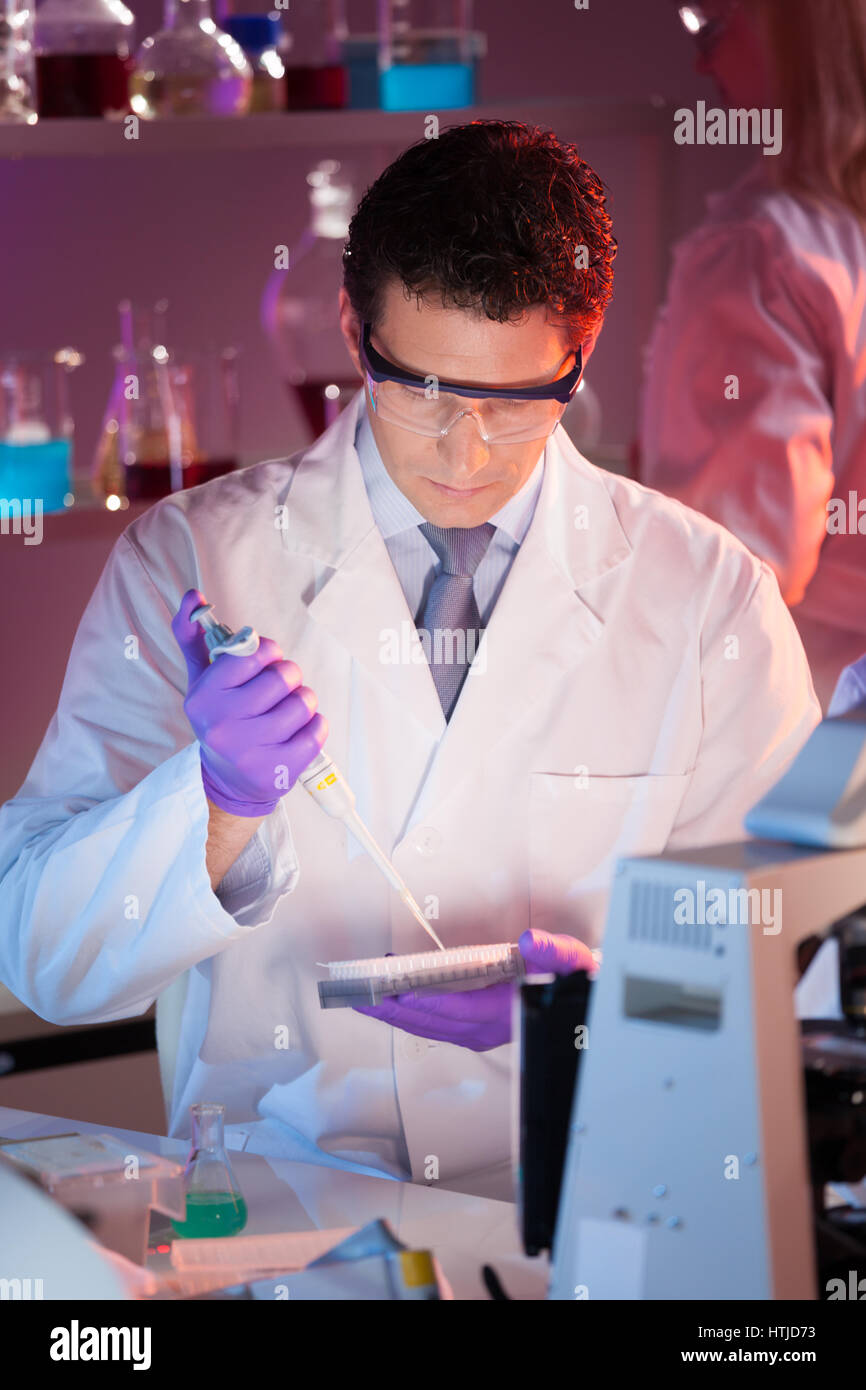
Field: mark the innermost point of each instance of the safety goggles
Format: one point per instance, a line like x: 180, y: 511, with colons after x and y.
x: 425, y: 405
x: 704, y: 27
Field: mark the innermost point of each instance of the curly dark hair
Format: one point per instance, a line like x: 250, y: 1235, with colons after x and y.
x: 491, y: 215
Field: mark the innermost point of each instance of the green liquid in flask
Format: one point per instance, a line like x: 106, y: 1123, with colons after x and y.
x: 212, y: 1214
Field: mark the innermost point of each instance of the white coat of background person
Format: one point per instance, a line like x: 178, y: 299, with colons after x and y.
x: 642, y: 686
x: 754, y: 401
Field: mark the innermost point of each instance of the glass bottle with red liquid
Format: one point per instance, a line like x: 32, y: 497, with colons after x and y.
x: 300, y: 310
x: 83, y: 58
x: 161, y: 405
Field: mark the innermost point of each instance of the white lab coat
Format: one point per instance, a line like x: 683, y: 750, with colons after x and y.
x: 754, y: 400
x: 640, y: 684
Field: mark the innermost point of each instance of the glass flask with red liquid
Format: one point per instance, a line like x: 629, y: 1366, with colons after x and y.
x: 171, y: 420
x: 83, y: 58
x: 300, y: 310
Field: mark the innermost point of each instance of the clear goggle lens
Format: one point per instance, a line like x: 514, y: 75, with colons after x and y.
x: 693, y: 18
x: 500, y: 420
x: 706, y: 25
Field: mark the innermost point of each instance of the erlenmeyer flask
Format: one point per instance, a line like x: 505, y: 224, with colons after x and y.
x: 148, y: 433
x: 214, y: 1205
x: 171, y: 420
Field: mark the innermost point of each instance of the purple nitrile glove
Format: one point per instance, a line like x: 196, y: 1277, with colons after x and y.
x: 252, y: 717
x: 481, y: 1018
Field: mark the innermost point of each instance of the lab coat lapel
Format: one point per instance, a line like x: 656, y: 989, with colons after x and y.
x: 361, y: 603
x: 540, y: 628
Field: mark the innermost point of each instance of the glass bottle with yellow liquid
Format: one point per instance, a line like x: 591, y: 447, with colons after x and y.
x: 214, y: 1205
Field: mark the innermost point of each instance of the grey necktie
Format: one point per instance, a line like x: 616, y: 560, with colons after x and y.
x: 450, y: 616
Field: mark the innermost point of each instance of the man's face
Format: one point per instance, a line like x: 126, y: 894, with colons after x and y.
x: 459, y: 480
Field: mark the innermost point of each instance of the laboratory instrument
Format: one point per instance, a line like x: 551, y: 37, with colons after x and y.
x: 368, y: 982
x: 190, y: 67
x: 262, y: 40
x: 36, y: 428
x: 426, y: 55
x: 316, y: 76
x: 17, y: 70
x: 83, y: 62
x: 694, y: 1168
x: 214, y: 1205
x: 300, y: 298
x: 113, y: 1185
x: 40, y: 1235
x: 321, y: 778
x: 161, y: 407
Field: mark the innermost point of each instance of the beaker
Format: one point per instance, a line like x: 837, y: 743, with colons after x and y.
x: 214, y: 1205
x: 426, y: 55
x: 36, y: 428
x: 190, y: 67
x: 17, y: 73
x: 316, y: 75
x: 300, y: 310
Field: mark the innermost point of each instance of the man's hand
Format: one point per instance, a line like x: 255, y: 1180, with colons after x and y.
x: 481, y: 1018
x: 255, y: 721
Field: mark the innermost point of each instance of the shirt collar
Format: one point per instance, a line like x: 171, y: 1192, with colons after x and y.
x: 393, y: 512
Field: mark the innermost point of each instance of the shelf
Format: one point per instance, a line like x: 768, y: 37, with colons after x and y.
x: 87, y: 139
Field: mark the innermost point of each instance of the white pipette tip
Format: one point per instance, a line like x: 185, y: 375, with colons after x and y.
x: 419, y: 917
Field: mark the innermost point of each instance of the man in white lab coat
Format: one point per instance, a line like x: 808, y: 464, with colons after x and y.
x: 639, y: 684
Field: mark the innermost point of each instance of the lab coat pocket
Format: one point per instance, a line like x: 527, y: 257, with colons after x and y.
x: 579, y: 825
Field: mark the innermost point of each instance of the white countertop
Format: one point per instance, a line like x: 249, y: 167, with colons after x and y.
x: 464, y: 1232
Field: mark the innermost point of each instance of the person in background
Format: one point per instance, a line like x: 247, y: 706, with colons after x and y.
x: 754, y: 401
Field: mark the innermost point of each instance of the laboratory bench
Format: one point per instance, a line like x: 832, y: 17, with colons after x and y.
x: 463, y: 1232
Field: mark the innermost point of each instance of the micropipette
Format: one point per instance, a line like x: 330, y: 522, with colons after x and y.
x: 321, y: 778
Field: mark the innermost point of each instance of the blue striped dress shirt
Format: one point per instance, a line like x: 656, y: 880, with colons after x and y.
x: 412, y: 555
